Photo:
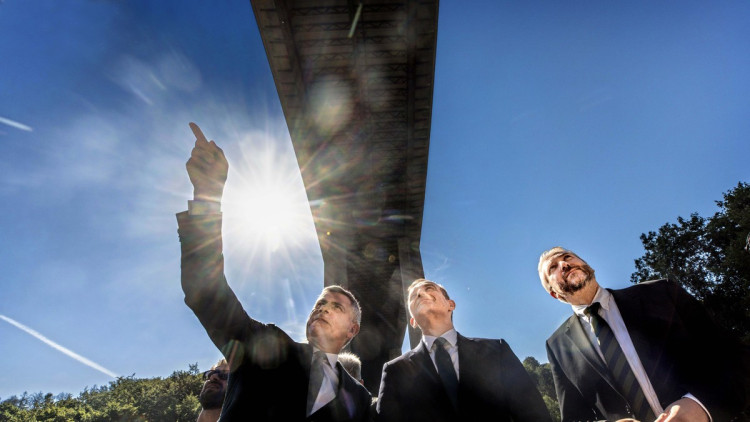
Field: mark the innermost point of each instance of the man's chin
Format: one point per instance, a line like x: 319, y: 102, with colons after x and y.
x: 212, y: 399
x: 576, y: 285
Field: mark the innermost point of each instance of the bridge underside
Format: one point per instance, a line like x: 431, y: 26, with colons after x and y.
x: 355, y: 83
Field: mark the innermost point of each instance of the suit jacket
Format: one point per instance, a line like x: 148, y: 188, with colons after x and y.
x: 270, y: 372
x: 493, y: 385
x: 681, y: 349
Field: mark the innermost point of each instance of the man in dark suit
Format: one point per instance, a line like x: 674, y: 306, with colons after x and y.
x: 480, y: 379
x: 272, y: 377
x: 649, y: 351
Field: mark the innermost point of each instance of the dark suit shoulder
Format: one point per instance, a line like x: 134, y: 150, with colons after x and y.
x: 562, y: 329
x: 652, y: 290
x: 409, y: 354
x: 658, y: 284
x: 483, y: 344
x: 400, y: 361
x: 482, y: 339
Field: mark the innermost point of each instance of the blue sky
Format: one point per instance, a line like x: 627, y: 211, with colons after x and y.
x: 582, y: 124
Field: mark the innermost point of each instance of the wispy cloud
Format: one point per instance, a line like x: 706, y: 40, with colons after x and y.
x: 13, y: 123
x: 58, y: 347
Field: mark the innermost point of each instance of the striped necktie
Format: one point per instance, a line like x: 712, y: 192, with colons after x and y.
x: 618, y: 366
x: 446, y: 370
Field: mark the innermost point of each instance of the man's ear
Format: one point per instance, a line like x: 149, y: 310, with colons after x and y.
x: 452, y: 304
x: 412, y: 322
x: 553, y: 294
x: 353, y: 331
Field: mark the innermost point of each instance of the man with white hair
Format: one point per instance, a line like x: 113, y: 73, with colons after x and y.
x: 649, y: 351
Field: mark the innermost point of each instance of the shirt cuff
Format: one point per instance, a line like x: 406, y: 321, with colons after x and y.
x: 693, y: 398
x: 198, y: 207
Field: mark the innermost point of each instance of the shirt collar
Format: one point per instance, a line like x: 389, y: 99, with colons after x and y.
x: 450, y: 335
x: 332, y: 357
x: 603, y: 296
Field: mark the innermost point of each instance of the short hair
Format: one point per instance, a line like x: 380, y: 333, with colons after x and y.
x: 352, y: 364
x: 547, y: 255
x: 420, y: 281
x: 355, y: 304
x: 221, y: 362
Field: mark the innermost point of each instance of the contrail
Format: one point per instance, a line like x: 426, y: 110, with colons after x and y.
x: 15, y: 124
x: 56, y: 346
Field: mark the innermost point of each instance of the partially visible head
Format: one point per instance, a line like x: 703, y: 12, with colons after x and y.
x: 215, y: 386
x: 352, y: 364
x: 563, y: 273
x: 334, y: 320
x: 425, y: 297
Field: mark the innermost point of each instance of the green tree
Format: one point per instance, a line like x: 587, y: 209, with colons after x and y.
x: 708, y: 257
x: 542, y: 376
x: 171, y: 399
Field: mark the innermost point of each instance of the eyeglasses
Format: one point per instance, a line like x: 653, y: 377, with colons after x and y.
x: 223, y: 375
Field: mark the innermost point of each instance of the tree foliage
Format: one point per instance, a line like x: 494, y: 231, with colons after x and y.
x: 174, y: 398
x: 542, y: 376
x: 708, y: 257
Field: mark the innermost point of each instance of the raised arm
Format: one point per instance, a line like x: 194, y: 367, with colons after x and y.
x: 206, y: 290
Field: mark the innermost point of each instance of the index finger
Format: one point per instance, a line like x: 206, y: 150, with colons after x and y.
x: 198, y: 132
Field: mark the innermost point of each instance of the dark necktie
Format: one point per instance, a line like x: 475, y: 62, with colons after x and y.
x: 316, y: 378
x: 446, y: 370
x: 618, y: 366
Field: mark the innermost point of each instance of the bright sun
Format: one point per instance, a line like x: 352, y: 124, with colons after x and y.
x: 264, y: 200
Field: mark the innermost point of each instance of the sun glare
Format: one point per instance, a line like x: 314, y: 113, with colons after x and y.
x: 265, y: 198
x: 268, y: 212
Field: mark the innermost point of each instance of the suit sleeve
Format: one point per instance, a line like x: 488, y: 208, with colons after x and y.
x: 522, y: 397
x: 714, y: 362
x: 573, y: 406
x: 389, y: 403
x: 206, y: 290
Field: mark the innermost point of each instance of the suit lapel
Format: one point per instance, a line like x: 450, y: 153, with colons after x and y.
x: 469, y: 353
x: 580, y: 339
x: 307, y: 352
x: 422, y: 359
x: 430, y: 384
x: 344, y: 404
x: 343, y: 400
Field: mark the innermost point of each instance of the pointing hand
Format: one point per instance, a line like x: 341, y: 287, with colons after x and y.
x: 207, y: 168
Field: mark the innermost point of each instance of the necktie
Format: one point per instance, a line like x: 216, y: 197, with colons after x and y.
x: 618, y: 365
x: 446, y: 370
x: 316, y: 378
